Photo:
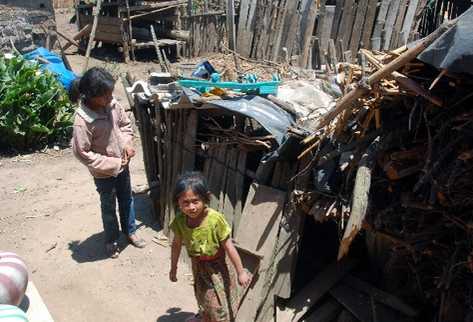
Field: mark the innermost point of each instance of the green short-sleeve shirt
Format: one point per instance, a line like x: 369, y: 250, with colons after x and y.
x: 205, y: 239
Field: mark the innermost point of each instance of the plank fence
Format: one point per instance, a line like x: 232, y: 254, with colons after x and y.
x: 309, y: 33
x: 436, y: 12
x: 329, y: 31
x: 206, y: 21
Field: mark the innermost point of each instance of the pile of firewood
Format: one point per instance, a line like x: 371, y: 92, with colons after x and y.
x: 394, y: 158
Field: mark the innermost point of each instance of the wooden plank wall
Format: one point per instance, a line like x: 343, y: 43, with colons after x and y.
x: 435, y: 12
x: 60, y: 4
x: 347, y: 24
x: 277, y: 30
x: 305, y: 32
x: 172, y: 142
x: 206, y: 21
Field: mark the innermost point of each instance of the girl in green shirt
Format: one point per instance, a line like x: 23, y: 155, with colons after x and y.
x: 207, y: 238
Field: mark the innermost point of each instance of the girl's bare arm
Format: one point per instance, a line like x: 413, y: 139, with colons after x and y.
x: 243, y: 277
x: 175, y: 253
x: 233, y: 254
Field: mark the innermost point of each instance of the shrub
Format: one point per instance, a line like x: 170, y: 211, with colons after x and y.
x: 34, y: 107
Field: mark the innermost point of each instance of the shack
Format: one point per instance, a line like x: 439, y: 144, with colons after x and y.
x: 359, y: 202
x: 133, y: 25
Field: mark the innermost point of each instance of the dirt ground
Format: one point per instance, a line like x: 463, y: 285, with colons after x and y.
x: 50, y: 216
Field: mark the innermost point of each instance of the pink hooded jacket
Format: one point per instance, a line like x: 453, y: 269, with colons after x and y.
x: 99, y: 138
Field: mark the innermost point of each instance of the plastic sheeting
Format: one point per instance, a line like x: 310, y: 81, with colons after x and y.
x: 56, y: 66
x: 454, y: 49
x: 274, y: 119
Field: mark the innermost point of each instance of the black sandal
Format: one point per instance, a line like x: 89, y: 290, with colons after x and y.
x: 113, y: 250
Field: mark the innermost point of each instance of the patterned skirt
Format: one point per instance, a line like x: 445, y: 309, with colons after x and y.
x: 216, y: 291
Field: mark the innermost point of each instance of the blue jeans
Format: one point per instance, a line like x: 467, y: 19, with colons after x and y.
x: 111, y: 189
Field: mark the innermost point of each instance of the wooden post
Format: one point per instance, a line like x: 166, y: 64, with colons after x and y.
x: 408, y: 21
x: 96, y: 14
x: 162, y: 63
x: 360, y: 200
x: 76, y: 6
x: 333, y: 54
x: 231, y: 24
x: 189, y: 9
x: 231, y: 31
x: 379, y: 25
x: 63, y: 56
x: 130, y: 30
x: 307, y: 33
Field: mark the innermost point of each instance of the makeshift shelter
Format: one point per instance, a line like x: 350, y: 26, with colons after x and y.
x: 133, y: 25
x: 360, y: 209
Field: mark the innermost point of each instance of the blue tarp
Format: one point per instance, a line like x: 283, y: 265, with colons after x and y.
x: 56, y: 66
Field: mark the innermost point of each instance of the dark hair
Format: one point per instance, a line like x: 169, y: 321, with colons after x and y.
x: 193, y: 181
x: 94, y: 83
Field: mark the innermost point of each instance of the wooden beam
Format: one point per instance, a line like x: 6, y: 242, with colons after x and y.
x: 258, y: 232
x: 96, y: 15
x: 369, y: 24
x: 380, y: 296
x: 405, y: 81
x: 231, y: 24
x: 358, y: 26
x: 359, y: 205
x: 389, y: 25
x: 152, y: 12
x: 408, y: 21
x: 327, y: 312
x: 84, y: 31
x: 347, y: 100
x: 379, y: 25
x: 162, y: 63
x: 245, y: 30
x: 71, y: 41
x: 307, y: 33
x: 300, y: 304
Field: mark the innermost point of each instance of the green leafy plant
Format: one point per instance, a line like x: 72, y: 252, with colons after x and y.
x: 34, y: 107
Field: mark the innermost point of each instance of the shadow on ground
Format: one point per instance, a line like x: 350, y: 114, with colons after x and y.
x: 92, y: 249
x: 175, y: 314
x: 145, y: 212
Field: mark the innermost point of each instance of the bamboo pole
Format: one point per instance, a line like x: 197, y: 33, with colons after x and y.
x: 405, y: 81
x: 346, y: 101
x: 96, y: 14
x: 151, y: 12
x: 78, y: 35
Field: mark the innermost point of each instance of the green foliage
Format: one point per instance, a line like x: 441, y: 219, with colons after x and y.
x: 34, y: 107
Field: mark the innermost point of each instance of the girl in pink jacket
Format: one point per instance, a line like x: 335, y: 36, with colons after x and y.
x: 102, y: 141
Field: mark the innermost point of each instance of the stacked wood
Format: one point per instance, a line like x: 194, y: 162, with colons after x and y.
x: 395, y: 160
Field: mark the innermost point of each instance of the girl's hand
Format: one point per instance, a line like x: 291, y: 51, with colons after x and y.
x: 173, y: 275
x: 125, y: 160
x: 244, y: 278
x: 130, y: 151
